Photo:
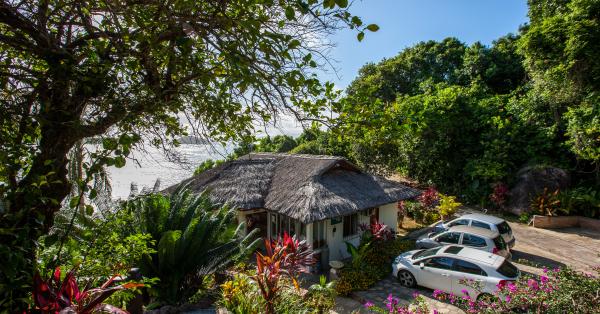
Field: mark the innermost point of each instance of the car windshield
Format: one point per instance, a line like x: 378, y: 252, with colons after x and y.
x: 425, y: 253
x: 507, y: 269
x: 499, y: 242
x: 503, y: 227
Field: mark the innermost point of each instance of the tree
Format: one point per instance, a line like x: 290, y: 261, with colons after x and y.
x: 194, y: 238
x: 560, y: 50
x: 124, y: 70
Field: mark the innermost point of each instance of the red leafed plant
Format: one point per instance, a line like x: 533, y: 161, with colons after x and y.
x: 499, y: 194
x: 54, y: 295
x: 285, y: 256
x: 429, y: 198
x: 377, y: 231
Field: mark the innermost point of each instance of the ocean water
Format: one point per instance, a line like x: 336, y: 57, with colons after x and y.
x: 154, y: 164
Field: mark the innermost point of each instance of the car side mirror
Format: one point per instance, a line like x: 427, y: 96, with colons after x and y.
x: 422, y: 265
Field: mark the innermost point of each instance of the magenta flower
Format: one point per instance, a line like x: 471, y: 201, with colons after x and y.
x: 507, y: 298
x: 369, y: 304
x: 511, y: 287
x: 545, y: 269
x: 533, y: 284
x: 544, y: 279
x: 464, y: 291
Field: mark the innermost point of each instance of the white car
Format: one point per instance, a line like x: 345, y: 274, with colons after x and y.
x: 478, y: 238
x: 444, y: 267
x: 482, y: 221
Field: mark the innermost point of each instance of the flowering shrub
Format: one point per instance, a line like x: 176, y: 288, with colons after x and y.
x: 429, y: 198
x: 556, y: 291
x: 393, y: 306
x: 499, y: 194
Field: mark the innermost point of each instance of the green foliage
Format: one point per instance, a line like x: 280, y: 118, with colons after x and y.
x: 583, y: 129
x: 98, y: 247
x: 240, y: 296
x: 191, y: 242
x: 580, y: 201
x: 546, y: 203
x: 321, y: 296
x: 447, y: 205
x: 370, y: 263
x: 208, y: 164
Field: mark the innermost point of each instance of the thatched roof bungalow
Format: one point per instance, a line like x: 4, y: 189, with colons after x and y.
x: 321, y: 198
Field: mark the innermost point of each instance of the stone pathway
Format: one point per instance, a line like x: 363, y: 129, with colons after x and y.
x: 379, y: 292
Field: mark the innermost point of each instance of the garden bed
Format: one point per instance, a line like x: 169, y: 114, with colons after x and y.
x: 558, y: 222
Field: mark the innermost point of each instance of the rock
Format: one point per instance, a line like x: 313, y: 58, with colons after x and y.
x: 531, y: 181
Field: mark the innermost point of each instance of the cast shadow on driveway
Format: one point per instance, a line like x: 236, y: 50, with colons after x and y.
x: 536, y: 260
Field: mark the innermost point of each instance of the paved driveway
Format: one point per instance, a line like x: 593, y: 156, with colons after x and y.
x: 575, y: 247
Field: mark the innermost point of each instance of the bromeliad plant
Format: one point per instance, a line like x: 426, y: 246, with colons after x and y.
x: 286, y: 256
x: 54, y: 296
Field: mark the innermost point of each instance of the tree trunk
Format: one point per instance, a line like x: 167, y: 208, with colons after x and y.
x: 30, y: 215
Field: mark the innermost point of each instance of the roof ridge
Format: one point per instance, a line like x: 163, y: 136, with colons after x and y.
x: 305, y: 156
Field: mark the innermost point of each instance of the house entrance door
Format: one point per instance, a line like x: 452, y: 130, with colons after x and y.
x: 257, y: 221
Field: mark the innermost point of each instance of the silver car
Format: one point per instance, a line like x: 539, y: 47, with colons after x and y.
x: 477, y: 238
x: 445, y: 268
x: 482, y: 221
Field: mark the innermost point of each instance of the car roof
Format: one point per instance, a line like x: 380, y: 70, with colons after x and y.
x: 483, y: 217
x: 472, y: 255
x: 475, y: 230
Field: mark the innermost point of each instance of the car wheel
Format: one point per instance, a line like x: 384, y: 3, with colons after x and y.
x: 406, y: 279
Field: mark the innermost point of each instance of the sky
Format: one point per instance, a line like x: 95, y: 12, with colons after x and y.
x: 404, y: 23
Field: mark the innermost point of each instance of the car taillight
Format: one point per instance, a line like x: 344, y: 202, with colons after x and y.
x: 495, y: 250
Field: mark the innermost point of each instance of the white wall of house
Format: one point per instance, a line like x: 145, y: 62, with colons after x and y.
x: 388, y: 215
x: 334, y: 233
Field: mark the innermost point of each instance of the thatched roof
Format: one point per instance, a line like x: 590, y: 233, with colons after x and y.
x: 305, y: 187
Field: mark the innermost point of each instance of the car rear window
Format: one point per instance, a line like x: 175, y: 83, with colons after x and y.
x: 507, y: 269
x: 469, y: 268
x: 503, y: 227
x: 499, y: 242
x: 473, y: 240
x: 480, y: 225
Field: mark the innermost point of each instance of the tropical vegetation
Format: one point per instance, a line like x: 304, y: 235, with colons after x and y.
x: 131, y: 72
x: 193, y: 238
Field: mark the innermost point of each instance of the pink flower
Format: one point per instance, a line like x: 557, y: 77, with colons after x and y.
x: 511, y: 287
x: 437, y: 293
x: 544, y: 279
x: 507, y: 298
x: 465, y: 292
x: 533, y: 284
x: 545, y: 269
x: 369, y: 304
